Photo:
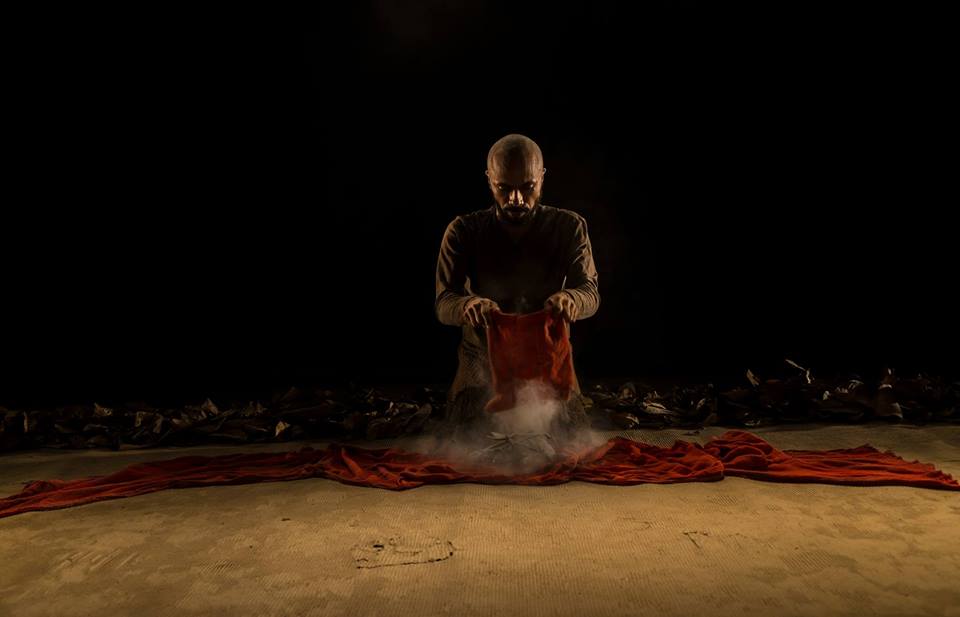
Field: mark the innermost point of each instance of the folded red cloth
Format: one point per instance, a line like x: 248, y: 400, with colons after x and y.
x: 531, y: 347
x: 618, y: 461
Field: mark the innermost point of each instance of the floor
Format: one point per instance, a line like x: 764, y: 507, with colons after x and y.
x: 317, y: 547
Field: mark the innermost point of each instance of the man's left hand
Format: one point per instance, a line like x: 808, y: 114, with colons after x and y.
x: 562, y: 303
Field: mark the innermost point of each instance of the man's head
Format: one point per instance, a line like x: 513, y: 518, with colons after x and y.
x: 515, y: 172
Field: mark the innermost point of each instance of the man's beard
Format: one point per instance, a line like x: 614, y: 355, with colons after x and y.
x: 507, y: 215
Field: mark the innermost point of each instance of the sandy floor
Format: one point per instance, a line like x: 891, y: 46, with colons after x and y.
x: 317, y: 547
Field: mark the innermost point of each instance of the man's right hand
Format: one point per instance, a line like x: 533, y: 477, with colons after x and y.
x: 476, y: 312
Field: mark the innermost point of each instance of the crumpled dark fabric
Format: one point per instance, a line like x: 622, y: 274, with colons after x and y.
x: 619, y: 461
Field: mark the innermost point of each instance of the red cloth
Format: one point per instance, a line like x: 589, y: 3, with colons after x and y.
x: 619, y: 461
x: 530, y: 347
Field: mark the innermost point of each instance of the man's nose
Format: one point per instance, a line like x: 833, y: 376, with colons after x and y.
x: 516, y: 196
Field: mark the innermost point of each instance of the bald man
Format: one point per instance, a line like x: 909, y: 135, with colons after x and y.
x: 517, y: 256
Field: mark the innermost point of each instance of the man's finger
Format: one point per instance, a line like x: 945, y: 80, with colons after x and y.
x: 485, y: 313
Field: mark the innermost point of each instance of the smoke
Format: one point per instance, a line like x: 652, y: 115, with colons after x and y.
x: 534, y: 412
x: 530, y: 437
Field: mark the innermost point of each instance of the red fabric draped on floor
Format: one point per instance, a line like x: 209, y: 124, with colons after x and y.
x: 619, y: 461
x: 522, y: 347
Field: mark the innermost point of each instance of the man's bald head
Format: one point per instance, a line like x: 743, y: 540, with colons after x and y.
x: 515, y: 170
x: 514, y: 149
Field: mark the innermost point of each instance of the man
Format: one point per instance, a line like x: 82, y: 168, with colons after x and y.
x: 517, y: 256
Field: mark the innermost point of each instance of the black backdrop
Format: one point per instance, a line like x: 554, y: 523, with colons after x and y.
x: 223, y: 206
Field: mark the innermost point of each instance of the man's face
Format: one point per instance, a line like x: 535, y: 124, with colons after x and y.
x: 516, y: 184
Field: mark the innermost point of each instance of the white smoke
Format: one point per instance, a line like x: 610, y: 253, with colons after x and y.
x: 524, y: 439
x: 534, y: 412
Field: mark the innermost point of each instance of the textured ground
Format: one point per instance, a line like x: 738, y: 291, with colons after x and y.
x: 317, y: 547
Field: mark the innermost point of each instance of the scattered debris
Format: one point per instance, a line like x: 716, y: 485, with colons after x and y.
x: 355, y: 413
x: 797, y: 398
x: 346, y: 414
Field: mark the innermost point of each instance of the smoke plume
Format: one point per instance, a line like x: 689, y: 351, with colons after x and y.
x: 525, y: 439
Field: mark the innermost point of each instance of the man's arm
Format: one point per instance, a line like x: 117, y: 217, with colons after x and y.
x: 451, y: 276
x: 581, y: 281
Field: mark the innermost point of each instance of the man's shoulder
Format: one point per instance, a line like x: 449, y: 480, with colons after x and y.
x: 471, y: 221
x: 563, y: 216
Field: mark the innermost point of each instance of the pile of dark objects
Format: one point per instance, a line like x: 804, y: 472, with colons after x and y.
x: 363, y: 413
x: 795, y: 399
x: 351, y: 413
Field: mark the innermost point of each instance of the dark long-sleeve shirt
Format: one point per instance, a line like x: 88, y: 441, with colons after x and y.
x: 479, y: 258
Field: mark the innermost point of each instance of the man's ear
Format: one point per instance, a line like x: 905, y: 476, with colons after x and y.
x: 487, y: 173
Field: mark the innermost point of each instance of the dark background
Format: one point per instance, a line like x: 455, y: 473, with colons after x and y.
x: 225, y: 205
